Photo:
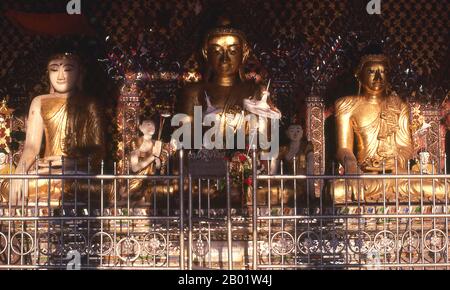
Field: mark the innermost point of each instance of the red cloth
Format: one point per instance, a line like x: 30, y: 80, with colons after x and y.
x: 55, y: 24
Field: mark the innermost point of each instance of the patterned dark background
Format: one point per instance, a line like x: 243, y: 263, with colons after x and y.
x: 304, y: 47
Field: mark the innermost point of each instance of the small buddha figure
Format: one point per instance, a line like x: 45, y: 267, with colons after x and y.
x: 298, y: 148
x: 144, y: 159
x: 424, y: 166
x: 301, y: 151
x: 71, y: 124
x: 378, y: 123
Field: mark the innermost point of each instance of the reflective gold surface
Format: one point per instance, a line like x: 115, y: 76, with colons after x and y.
x: 378, y: 123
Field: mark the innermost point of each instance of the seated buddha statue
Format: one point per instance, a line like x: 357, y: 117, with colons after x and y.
x: 378, y: 123
x: 224, y: 88
x: 71, y: 124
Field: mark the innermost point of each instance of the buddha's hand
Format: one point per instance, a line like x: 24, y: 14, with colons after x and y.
x: 157, y: 163
x: 352, y: 186
x: 353, y: 190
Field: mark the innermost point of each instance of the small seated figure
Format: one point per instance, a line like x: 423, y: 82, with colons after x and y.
x: 378, y: 122
x: 144, y: 160
x: 303, y: 152
x: 72, y: 126
x: 424, y: 166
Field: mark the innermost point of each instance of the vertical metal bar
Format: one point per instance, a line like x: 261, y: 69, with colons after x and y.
x: 36, y: 214
x: 76, y: 189
x: 308, y: 221
x: 190, y: 224
x: 62, y: 202
x: 446, y: 207
x: 433, y: 211
x: 8, y: 242
x: 115, y: 207
x: 168, y: 223
x: 269, y: 222
x: 255, y: 215
x: 209, y: 225
x: 295, y: 207
x: 397, y: 209
x: 384, y: 204
x: 409, y: 209
x: 199, y: 216
x: 229, y: 232
x: 346, y: 183
x: 421, y: 211
x: 89, y: 206
x: 102, y: 172
x: 154, y: 192
x: 128, y: 203
x: 282, y: 207
x: 359, y: 204
x: 321, y: 223
x: 22, y: 214
x: 181, y: 189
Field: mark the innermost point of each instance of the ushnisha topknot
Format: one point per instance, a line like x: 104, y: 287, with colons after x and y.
x: 224, y: 27
x: 371, y: 58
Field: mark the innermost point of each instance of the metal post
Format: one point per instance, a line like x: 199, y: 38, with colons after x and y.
x: 229, y: 232
x: 255, y: 215
x: 181, y: 187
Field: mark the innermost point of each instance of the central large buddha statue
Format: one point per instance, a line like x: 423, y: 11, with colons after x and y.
x: 224, y: 90
x: 378, y: 123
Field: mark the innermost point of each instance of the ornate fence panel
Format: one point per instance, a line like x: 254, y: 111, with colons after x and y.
x: 200, y: 222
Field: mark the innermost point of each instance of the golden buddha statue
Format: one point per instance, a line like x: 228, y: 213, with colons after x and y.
x: 72, y: 125
x: 378, y: 122
x: 224, y: 91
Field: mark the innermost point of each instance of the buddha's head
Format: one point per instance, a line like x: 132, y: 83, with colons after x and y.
x: 225, y: 49
x: 294, y: 132
x: 65, y: 73
x: 372, y: 73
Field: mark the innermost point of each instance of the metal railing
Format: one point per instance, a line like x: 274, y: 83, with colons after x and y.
x: 188, y: 222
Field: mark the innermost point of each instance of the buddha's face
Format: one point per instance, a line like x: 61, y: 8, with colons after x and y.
x: 64, y: 74
x: 147, y: 127
x: 373, y: 76
x: 224, y: 54
x: 295, y: 132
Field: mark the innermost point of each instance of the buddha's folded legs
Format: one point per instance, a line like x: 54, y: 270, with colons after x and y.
x: 376, y: 190
x: 55, y: 191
